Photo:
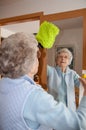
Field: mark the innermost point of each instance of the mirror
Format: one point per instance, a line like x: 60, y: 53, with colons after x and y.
x: 72, y: 35
x: 72, y: 15
x: 80, y: 14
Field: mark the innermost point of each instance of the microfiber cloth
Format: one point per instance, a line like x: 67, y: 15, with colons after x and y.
x: 47, y: 34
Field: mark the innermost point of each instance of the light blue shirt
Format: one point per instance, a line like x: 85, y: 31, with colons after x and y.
x: 40, y: 108
x: 63, y: 90
x: 62, y: 85
x: 44, y: 109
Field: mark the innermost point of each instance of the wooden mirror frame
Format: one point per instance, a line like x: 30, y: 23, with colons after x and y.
x: 67, y: 15
x: 21, y: 18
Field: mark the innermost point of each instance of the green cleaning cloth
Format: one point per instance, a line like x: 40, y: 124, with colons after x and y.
x: 47, y: 34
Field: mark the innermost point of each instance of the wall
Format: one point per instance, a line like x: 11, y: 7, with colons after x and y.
x: 5, y: 32
x: 19, y: 7
x: 72, y: 38
x: 30, y: 27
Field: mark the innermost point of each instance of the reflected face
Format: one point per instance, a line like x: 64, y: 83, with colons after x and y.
x: 62, y: 59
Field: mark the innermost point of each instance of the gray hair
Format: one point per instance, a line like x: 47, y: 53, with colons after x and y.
x: 65, y: 50
x: 18, y: 53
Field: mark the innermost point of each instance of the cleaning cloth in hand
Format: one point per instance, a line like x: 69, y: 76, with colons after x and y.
x: 47, y: 34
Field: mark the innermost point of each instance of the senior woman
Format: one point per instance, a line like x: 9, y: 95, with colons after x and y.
x: 24, y: 105
x: 62, y: 79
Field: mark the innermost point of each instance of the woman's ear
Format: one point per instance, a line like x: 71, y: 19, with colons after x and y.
x: 38, y: 54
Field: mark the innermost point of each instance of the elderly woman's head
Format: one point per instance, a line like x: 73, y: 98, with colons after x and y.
x: 18, y: 55
x: 63, y: 57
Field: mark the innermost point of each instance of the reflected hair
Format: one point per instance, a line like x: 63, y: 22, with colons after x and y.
x: 18, y: 53
x: 65, y: 50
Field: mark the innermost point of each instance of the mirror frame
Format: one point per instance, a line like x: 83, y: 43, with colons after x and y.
x: 67, y: 15
x: 21, y: 18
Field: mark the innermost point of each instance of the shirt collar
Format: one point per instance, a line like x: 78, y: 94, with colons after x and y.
x: 59, y: 69
x: 26, y: 77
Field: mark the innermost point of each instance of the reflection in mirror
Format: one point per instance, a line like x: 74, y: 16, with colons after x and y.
x: 71, y: 36
x: 29, y: 27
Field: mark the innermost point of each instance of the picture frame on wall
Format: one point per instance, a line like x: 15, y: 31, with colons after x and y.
x: 70, y: 48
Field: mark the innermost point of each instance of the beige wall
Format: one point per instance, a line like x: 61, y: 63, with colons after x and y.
x: 19, y: 7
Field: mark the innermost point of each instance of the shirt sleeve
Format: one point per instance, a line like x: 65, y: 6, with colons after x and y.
x: 49, y: 69
x: 41, y: 108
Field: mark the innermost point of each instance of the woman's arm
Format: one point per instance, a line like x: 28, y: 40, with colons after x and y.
x: 43, y: 109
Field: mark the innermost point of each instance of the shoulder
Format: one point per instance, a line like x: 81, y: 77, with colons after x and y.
x: 38, y: 95
x: 73, y: 73
x: 50, y: 69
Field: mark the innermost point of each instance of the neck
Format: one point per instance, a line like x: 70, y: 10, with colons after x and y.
x: 31, y: 75
x: 63, y: 69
